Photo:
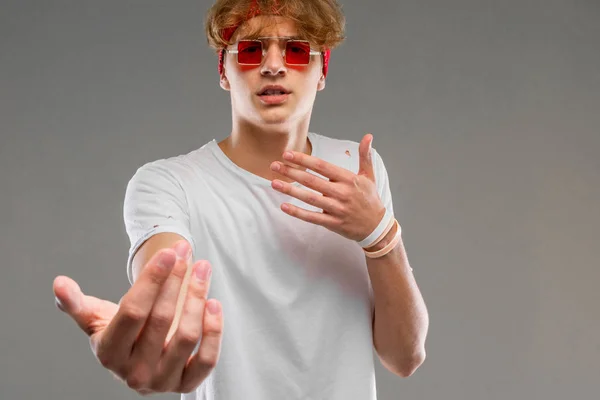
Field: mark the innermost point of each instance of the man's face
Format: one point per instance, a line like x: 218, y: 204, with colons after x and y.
x: 246, y: 83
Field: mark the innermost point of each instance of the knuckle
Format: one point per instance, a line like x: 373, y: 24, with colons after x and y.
x: 136, y: 383
x: 106, y: 356
x: 106, y: 360
x: 342, y: 210
x: 313, y: 199
x: 311, y: 180
x: 161, y: 382
x: 208, y: 360
x: 139, y: 377
x: 161, y: 319
x: 344, y: 195
x: 188, y: 336
x: 132, y: 312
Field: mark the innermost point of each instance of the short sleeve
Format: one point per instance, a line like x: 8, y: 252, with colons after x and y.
x: 155, y: 202
x: 382, y: 181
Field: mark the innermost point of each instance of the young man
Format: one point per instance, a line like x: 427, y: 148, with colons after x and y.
x: 291, y: 235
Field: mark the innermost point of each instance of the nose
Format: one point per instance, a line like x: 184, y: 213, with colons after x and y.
x: 273, y: 62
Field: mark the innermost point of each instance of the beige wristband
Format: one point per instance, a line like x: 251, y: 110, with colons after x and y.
x: 390, y: 246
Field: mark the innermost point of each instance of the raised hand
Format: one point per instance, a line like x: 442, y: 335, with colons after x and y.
x: 133, y: 339
x: 350, y: 202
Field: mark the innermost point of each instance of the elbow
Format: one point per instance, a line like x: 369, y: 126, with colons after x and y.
x: 410, y: 366
x: 405, y: 366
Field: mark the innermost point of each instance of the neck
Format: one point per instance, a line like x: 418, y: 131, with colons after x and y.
x: 254, y: 148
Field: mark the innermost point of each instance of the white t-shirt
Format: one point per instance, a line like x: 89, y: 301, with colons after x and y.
x: 297, y: 299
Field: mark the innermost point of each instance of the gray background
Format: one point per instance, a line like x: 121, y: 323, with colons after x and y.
x: 486, y: 113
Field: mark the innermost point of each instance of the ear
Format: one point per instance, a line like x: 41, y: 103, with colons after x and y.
x: 224, y: 82
x: 321, y: 83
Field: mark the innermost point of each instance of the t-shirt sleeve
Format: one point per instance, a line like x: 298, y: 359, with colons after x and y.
x: 382, y: 181
x: 155, y: 202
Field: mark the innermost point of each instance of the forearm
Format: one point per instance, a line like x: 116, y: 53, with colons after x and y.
x: 400, y: 320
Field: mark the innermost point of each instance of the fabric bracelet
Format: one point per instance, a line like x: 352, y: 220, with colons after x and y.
x: 371, y: 239
x: 387, y: 249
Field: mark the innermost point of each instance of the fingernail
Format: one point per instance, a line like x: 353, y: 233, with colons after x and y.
x: 203, y: 271
x: 58, y: 304
x: 213, y: 307
x: 277, y: 185
x: 183, y: 250
x: 166, y: 260
x: 288, y: 156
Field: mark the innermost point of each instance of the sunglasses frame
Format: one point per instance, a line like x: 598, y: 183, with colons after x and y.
x: 283, y: 52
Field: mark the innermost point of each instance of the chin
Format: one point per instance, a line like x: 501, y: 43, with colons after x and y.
x: 275, y: 116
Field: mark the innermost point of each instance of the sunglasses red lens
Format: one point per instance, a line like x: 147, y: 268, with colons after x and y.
x: 297, y: 53
x: 251, y: 52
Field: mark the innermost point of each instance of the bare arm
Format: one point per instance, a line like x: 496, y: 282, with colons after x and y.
x: 151, y: 247
x: 352, y: 207
x: 400, y: 320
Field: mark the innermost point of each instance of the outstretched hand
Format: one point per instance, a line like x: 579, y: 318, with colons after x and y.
x: 132, y: 338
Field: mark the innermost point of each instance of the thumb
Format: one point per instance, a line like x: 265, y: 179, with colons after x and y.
x: 69, y: 299
x: 366, y: 161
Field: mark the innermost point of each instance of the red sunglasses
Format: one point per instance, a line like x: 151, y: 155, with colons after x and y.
x: 252, y: 52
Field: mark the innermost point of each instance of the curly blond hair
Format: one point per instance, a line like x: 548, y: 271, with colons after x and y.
x: 319, y: 21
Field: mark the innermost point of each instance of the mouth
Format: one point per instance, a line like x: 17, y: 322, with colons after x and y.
x: 273, y: 95
x: 273, y: 90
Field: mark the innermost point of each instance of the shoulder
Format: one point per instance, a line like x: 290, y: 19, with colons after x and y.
x: 178, y: 168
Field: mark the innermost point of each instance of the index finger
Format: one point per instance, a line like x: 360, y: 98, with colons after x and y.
x: 124, y: 328
x: 331, y: 171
